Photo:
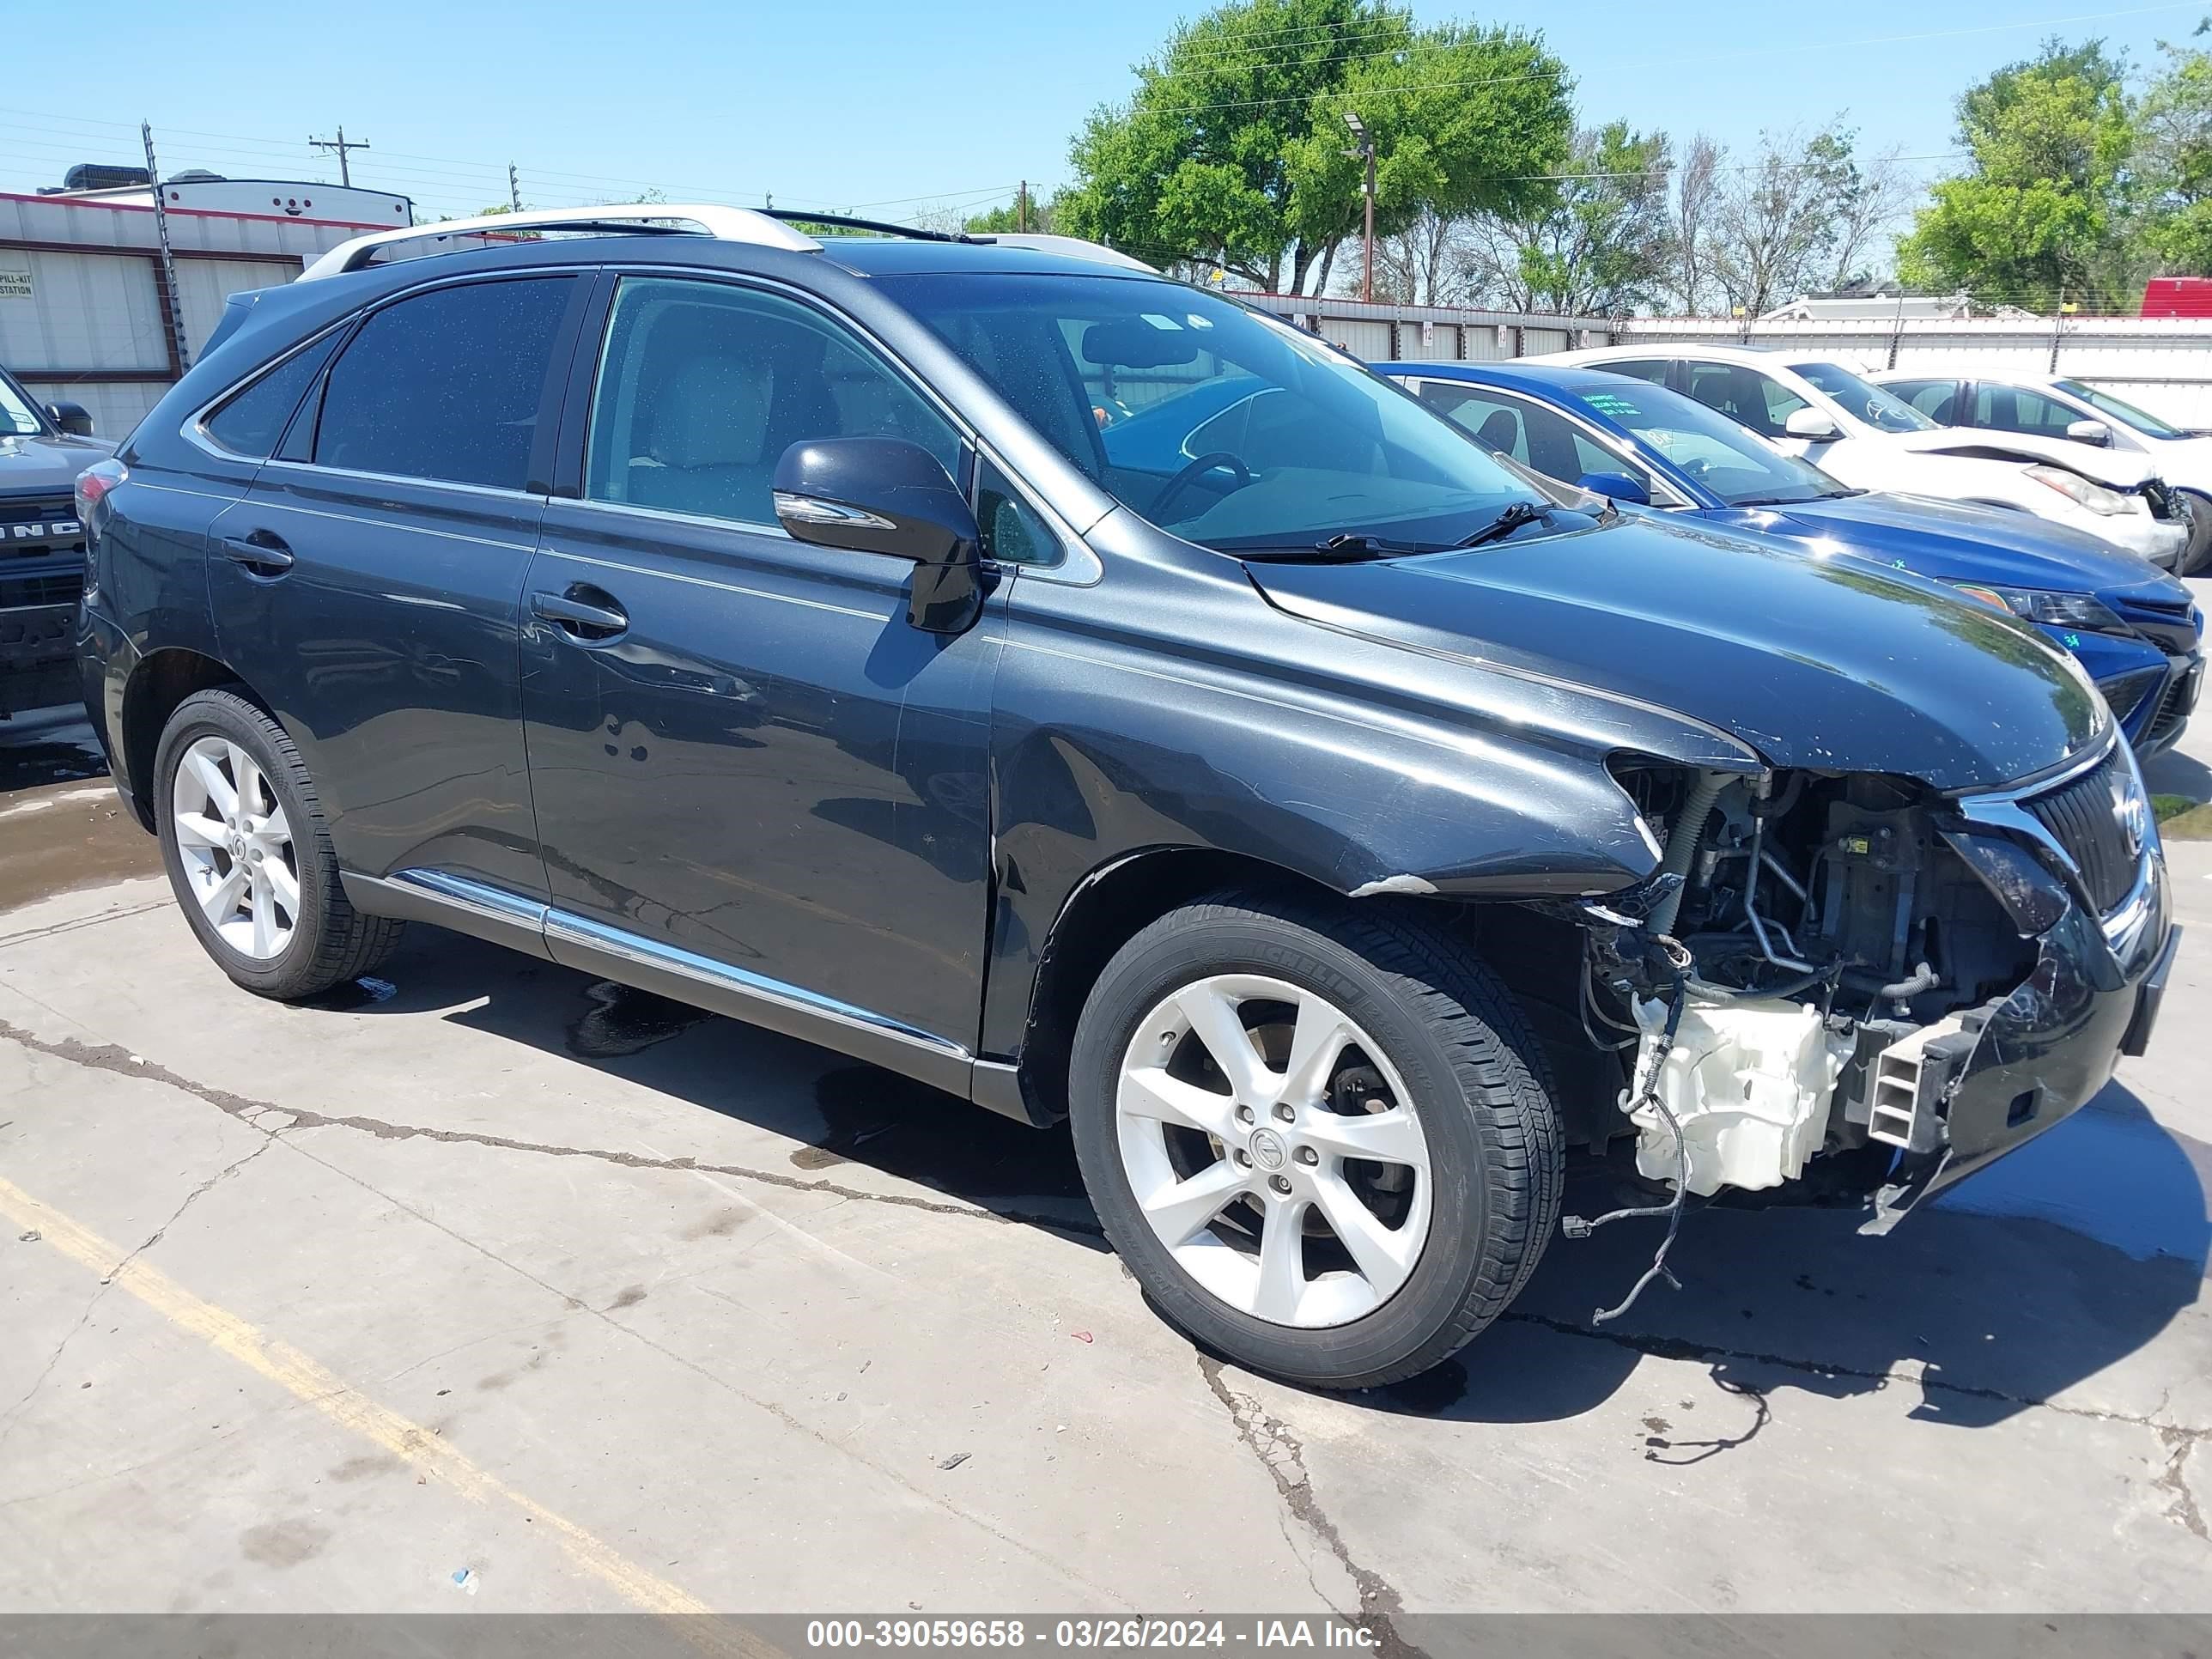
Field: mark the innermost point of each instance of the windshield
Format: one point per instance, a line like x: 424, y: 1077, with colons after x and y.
x: 1863, y: 400
x: 2105, y: 403
x: 1221, y: 425
x: 1717, y: 453
x: 18, y: 418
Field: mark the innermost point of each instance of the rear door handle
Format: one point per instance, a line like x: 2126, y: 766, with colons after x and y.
x: 262, y: 552
x: 584, y: 612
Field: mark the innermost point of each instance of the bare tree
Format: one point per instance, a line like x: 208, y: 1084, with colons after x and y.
x: 1775, y: 223
x: 1874, y: 202
x: 1691, y: 204
x: 1421, y: 265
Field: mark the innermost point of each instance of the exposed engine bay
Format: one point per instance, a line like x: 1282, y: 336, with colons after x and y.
x: 1809, y: 986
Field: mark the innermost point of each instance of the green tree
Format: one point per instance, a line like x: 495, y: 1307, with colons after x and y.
x: 2043, y: 210
x: 1599, y: 245
x: 1233, y: 149
x: 1009, y: 218
x: 2173, y: 161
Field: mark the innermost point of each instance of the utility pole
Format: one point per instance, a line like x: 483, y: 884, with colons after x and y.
x: 342, y: 144
x: 1022, y: 207
x: 513, y: 188
x: 178, y: 350
x: 1365, y: 141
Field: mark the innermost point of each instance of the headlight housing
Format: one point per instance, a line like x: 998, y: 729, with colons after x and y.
x: 2088, y: 496
x: 2050, y: 608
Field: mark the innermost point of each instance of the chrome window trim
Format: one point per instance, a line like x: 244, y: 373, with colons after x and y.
x: 1079, y: 565
x: 497, y: 491
x: 195, y: 427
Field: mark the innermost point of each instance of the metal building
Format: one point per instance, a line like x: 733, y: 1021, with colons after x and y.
x: 85, y: 313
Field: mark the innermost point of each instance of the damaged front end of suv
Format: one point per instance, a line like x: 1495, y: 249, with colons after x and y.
x: 1859, y: 982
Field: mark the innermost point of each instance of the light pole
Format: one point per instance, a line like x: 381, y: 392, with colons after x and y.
x: 1365, y: 142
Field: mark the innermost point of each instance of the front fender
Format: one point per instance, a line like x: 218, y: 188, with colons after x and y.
x: 1108, y: 748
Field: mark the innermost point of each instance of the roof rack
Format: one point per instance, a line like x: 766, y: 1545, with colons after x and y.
x: 728, y: 224
x: 881, y: 227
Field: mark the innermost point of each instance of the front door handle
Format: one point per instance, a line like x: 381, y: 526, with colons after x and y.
x: 584, y: 612
x: 262, y: 552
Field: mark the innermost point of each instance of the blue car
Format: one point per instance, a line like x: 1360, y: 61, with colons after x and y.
x: 2134, y: 627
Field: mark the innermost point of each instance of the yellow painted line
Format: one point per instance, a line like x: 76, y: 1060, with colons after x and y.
x: 307, y: 1380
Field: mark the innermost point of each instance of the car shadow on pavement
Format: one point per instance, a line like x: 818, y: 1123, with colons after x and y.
x: 843, y: 1113
x: 2038, y: 1273
x: 2053, y: 1264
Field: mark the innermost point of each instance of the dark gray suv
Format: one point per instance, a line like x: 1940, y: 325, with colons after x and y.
x: 1334, y: 822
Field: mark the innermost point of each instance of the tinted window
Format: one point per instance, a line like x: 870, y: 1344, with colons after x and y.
x: 2016, y: 409
x: 1531, y: 434
x: 2125, y: 413
x: 1225, y: 426
x: 702, y: 386
x: 1936, y: 399
x: 445, y: 385
x: 1653, y: 369
x: 1014, y: 532
x: 251, y: 422
x: 1745, y: 396
x: 1863, y: 399
x: 1716, y: 452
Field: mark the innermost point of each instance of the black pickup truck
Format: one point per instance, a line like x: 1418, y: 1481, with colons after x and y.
x: 42, y: 449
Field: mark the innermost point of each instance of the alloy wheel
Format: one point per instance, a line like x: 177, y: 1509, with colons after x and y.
x: 1274, y: 1152
x: 235, y: 846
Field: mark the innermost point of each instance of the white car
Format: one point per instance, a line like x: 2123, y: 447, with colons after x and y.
x: 1871, y: 439
x: 2061, y: 407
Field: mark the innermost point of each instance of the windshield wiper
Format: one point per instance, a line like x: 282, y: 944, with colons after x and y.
x: 1507, y: 522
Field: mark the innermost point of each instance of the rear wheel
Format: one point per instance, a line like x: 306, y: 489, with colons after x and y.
x: 2195, y: 558
x: 249, y: 855
x: 1320, y: 1140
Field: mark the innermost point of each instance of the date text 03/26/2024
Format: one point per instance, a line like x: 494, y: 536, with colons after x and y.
x: 1079, y: 1633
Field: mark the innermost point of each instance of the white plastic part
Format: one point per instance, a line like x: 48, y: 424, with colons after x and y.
x: 1750, y: 1082
x: 728, y: 224
x: 1902, y: 1110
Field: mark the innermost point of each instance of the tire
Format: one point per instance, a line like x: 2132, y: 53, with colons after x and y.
x: 1450, y: 1049
x: 2195, y: 558
x: 314, y: 938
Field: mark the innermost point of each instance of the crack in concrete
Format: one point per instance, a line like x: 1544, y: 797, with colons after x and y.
x: 1283, y: 1456
x: 2174, y: 1479
x: 12, y: 1416
x: 113, y: 1057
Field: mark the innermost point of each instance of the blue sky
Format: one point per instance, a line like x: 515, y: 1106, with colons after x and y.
x: 875, y: 105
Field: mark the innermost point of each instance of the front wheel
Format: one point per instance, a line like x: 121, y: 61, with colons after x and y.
x: 1322, y: 1139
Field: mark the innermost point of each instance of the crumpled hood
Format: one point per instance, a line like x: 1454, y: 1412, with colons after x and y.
x: 1954, y: 542
x: 42, y: 466
x: 2108, y: 466
x: 1831, y: 664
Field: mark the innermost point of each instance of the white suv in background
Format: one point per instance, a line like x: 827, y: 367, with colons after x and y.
x: 1870, y: 438
x: 2061, y: 407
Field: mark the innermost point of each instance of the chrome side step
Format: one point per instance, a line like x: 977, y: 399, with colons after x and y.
x: 487, y: 913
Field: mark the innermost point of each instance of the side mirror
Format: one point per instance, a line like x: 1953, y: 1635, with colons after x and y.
x: 72, y: 418
x: 887, y: 495
x: 2090, y: 432
x: 1809, y: 423
x: 1618, y: 486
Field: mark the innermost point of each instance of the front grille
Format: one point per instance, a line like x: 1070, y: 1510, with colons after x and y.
x: 19, y: 514
x: 2172, y: 710
x: 2083, y: 817
x: 2126, y: 694
x: 63, y: 589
